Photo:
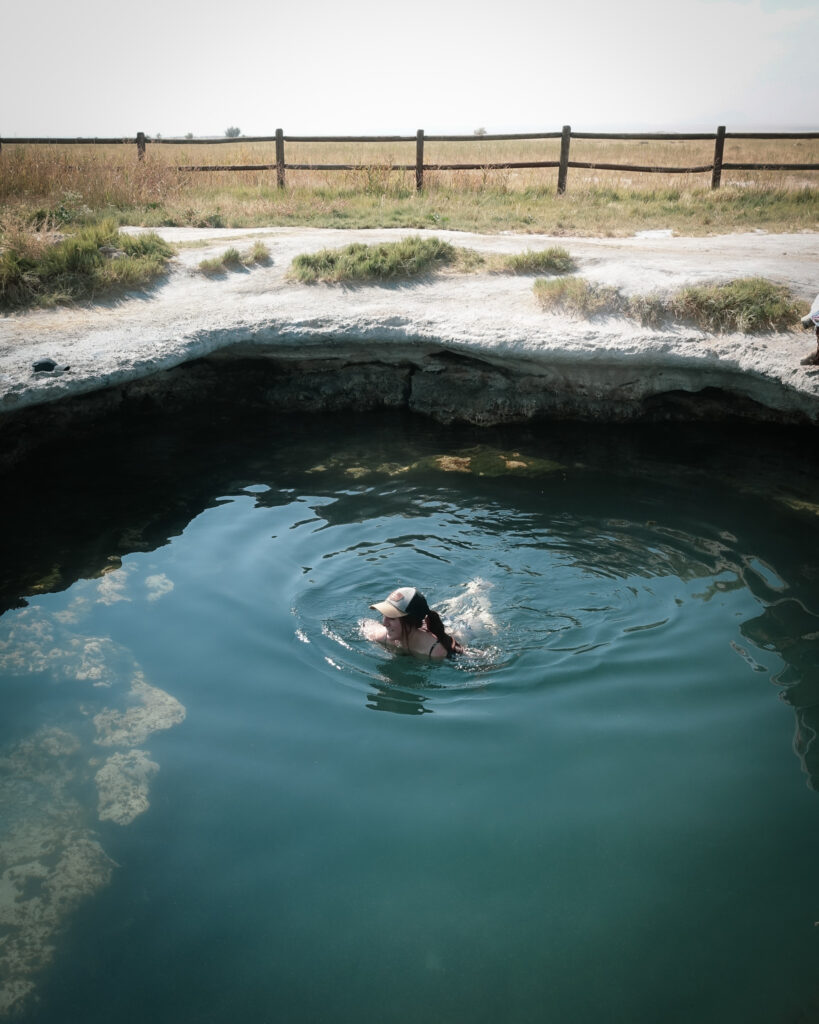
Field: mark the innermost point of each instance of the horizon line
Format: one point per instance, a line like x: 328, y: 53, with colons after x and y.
x: 606, y: 128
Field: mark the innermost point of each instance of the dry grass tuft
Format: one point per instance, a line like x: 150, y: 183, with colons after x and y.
x: 555, y: 260
x: 232, y: 259
x: 748, y: 305
x: 577, y: 297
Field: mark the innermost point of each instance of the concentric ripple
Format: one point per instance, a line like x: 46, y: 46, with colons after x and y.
x: 601, y: 799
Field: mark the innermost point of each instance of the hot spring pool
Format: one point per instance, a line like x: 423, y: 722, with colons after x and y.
x: 218, y: 802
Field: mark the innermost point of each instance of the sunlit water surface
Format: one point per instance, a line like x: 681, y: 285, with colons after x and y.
x: 604, y: 812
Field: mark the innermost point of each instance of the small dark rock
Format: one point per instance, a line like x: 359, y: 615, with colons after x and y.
x: 49, y: 366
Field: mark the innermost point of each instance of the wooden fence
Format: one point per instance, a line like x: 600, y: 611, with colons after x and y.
x: 715, y: 168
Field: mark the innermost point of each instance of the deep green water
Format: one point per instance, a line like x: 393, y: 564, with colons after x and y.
x: 605, y: 812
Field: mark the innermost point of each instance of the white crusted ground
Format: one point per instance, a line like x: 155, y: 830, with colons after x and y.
x: 492, y: 316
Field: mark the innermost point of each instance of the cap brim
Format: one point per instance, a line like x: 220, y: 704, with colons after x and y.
x: 388, y: 609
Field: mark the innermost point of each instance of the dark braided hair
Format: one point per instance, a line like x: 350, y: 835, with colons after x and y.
x: 420, y: 613
x: 436, y: 627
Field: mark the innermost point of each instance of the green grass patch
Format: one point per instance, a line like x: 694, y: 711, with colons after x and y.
x: 555, y: 260
x: 232, y: 259
x: 748, y: 305
x: 417, y: 255
x: 410, y: 257
x: 44, y: 269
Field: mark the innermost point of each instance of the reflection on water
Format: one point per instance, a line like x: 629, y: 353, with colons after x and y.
x: 789, y: 628
x: 398, y: 701
x: 621, y: 599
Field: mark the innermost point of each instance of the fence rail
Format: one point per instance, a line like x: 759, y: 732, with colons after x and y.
x: 566, y: 135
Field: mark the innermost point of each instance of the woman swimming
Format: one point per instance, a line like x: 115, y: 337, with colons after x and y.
x: 409, y: 623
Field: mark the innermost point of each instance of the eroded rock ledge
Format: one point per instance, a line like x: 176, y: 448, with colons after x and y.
x: 446, y: 386
x: 471, y: 348
x: 457, y: 387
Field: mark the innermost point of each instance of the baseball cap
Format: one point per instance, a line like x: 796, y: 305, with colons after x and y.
x: 401, y: 602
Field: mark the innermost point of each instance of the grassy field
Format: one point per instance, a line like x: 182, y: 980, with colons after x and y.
x: 66, y: 186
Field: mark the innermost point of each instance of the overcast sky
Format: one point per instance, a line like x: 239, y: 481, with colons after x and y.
x: 96, y: 67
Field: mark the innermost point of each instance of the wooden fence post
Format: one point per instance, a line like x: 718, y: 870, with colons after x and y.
x: 140, y: 141
x: 419, y: 160
x: 563, y: 169
x: 280, y: 158
x: 719, y: 146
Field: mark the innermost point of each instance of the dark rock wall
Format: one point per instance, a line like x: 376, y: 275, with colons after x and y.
x: 447, y: 387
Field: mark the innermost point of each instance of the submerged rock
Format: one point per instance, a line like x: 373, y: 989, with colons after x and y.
x: 482, y: 460
x: 122, y: 785
x: 50, y: 859
x: 50, y: 856
x: 156, y: 710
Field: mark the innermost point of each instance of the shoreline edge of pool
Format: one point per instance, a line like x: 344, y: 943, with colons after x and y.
x: 472, y: 348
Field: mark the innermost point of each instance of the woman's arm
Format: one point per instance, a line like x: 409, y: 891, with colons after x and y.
x: 372, y: 630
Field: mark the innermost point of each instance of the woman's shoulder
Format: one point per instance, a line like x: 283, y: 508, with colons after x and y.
x: 437, y: 650
x: 431, y: 646
x: 423, y: 642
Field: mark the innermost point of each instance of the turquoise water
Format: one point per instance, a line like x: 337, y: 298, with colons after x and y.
x: 605, y: 811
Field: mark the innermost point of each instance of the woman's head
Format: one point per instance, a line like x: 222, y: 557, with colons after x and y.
x: 405, y: 602
x: 406, y: 609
